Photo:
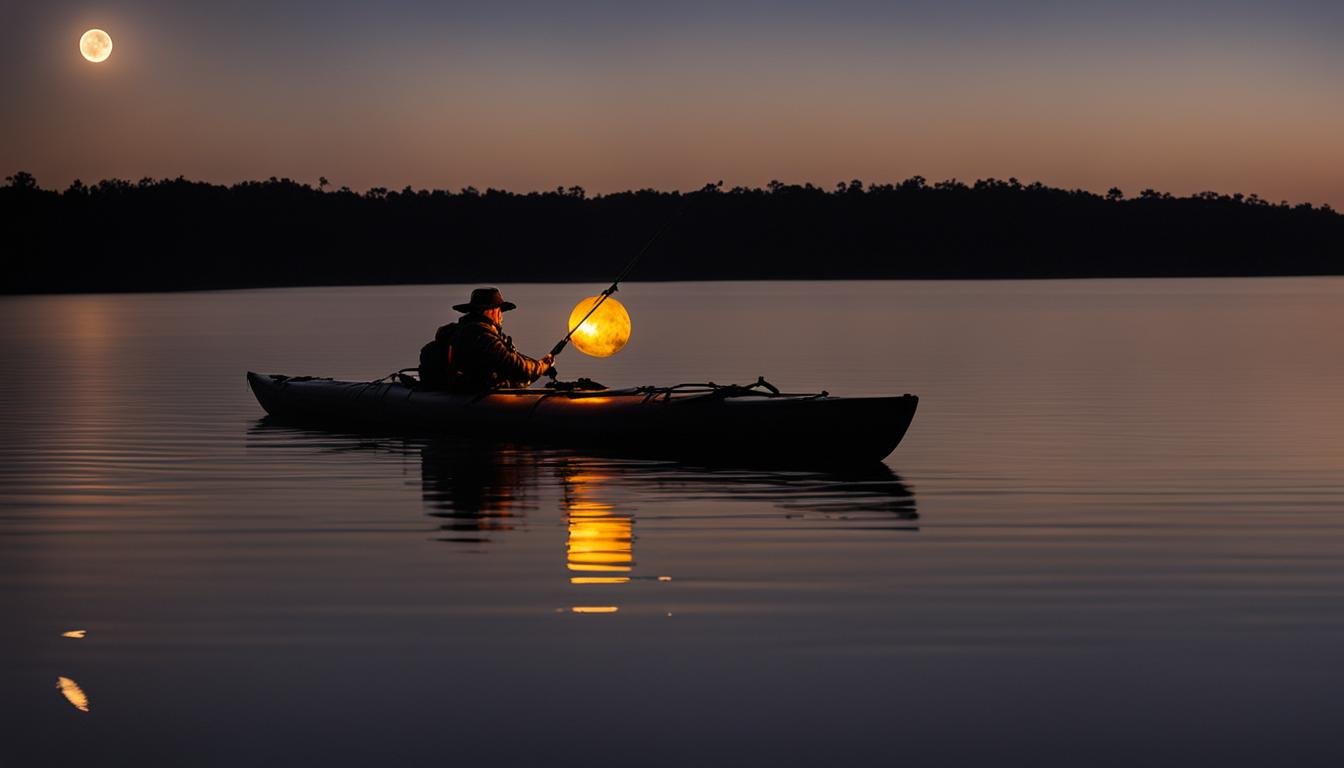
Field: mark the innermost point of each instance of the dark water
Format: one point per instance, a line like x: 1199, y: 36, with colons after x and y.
x: 1113, y: 536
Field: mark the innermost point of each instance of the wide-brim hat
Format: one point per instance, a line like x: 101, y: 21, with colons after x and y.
x: 485, y: 298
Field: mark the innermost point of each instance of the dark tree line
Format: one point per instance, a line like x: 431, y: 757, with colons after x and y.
x: 178, y: 234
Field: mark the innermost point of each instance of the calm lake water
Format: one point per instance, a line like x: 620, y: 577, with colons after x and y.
x: 1113, y: 536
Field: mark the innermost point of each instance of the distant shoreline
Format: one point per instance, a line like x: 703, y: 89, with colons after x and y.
x: 179, y: 235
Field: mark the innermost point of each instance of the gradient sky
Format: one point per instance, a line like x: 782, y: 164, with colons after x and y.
x: 1179, y: 95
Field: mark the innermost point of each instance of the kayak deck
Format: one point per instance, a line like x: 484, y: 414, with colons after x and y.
x: 699, y: 421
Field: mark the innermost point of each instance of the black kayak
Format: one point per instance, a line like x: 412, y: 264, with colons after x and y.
x: 696, y: 421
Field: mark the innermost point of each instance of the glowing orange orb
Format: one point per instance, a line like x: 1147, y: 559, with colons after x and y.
x: 605, y: 331
x: 96, y: 45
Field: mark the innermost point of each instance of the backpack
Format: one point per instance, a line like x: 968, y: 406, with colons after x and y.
x: 436, y: 359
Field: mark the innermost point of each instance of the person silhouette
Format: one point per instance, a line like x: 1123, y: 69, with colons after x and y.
x: 473, y: 354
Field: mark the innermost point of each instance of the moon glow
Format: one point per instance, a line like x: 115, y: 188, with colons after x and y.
x: 96, y: 45
x: 605, y: 331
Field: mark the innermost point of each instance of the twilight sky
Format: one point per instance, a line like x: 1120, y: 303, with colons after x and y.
x: 1179, y: 95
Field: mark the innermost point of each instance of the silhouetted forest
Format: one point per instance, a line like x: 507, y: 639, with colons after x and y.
x: 177, y: 234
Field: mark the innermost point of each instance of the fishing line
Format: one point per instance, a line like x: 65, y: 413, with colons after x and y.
x: 560, y: 345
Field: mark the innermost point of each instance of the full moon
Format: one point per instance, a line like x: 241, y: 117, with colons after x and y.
x: 96, y: 45
x: 605, y: 331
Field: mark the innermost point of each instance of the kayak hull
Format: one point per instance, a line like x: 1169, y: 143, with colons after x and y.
x: 803, y: 428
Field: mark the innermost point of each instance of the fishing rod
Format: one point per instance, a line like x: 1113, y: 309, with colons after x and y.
x: 560, y: 345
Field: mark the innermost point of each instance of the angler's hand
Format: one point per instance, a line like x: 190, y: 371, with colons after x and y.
x: 549, y: 370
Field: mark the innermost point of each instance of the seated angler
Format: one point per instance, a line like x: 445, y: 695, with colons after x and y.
x: 473, y: 354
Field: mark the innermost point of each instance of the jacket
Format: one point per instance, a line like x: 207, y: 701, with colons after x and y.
x: 483, y: 357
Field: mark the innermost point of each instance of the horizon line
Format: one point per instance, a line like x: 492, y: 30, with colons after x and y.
x: 24, y: 179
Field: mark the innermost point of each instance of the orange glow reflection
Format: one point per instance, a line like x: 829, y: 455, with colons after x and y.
x: 77, y: 634
x: 600, y: 541
x: 600, y: 547
x: 590, y: 400
x: 73, y: 693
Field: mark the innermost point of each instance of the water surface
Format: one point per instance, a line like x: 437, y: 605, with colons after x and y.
x: 1113, y: 536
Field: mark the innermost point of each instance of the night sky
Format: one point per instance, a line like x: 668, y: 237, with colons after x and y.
x: 1178, y: 95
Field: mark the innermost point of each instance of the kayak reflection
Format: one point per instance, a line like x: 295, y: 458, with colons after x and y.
x: 480, y: 488
x: 475, y: 490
